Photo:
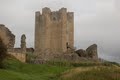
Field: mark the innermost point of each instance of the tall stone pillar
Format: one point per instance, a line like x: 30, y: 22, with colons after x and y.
x: 70, y: 29
x: 23, y: 43
x: 63, y: 16
x: 37, y: 30
x: 47, y: 26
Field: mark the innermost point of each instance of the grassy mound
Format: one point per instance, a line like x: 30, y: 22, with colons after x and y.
x: 16, y: 70
x: 107, y: 71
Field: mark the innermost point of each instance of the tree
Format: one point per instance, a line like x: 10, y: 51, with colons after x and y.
x: 3, y: 53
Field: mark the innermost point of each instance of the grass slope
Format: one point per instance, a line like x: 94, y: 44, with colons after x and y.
x: 93, y: 73
x: 16, y: 70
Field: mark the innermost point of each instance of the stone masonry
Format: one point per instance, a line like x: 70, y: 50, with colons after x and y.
x: 54, y: 31
x: 23, y: 43
x: 7, y: 37
x: 9, y: 40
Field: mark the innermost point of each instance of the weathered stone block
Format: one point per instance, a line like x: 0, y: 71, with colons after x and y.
x: 92, y: 51
x: 7, y: 37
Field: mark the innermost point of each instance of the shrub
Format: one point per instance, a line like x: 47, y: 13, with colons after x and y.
x: 3, y: 53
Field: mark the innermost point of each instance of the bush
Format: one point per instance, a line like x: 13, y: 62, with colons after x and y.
x: 3, y: 53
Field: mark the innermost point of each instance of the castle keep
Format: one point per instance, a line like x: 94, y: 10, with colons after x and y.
x: 54, y: 30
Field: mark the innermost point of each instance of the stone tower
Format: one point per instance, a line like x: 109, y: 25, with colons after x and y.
x: 23, y: 43
x: 54, y: 30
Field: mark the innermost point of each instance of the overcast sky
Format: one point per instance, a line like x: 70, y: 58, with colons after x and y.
x: 96, y: 21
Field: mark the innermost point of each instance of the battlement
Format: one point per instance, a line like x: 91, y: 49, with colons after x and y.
x: 46, y: 10
x: 37, y: 13
x: 63, y: 10
x: 55, y: 15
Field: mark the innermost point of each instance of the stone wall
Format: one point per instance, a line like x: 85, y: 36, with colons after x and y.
x: 9, y: 40
x: 90, y: 52
x: 19, y: 50
x: 20, y: 56
x: 54, y: 30
x: 7, y: 37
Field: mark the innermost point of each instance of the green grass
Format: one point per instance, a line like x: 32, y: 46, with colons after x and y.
x: 15, y: 70
x: 93, y: 73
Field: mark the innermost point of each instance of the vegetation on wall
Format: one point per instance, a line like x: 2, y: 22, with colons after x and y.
x: 3, y: 53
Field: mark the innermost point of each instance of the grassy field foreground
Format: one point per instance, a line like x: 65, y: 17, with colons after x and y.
x: 16, y: 70
x: 92, y: 73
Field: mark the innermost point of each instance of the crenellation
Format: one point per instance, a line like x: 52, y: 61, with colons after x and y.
x: 63, y: 10
x: 70, y: 13
x: 37, y: 13
x: 46, y: 10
